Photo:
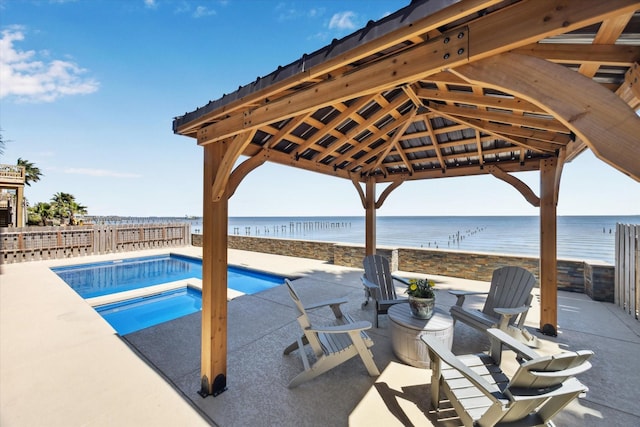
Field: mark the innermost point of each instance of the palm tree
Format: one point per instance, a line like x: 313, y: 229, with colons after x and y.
x: 32, y: 172
x: 64, y: 206
x: 39, y: 214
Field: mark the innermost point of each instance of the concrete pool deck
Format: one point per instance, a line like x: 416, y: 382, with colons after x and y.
x: 61, y: 364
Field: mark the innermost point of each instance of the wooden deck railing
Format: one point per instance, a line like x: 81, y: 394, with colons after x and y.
x: 39, y: 243
x: 12, y: 174
x: 627, y: 278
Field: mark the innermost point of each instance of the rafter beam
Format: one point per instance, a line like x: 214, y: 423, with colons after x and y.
x: 471, y: 98
x: 353, y: 109
x: 593, y: 113
x: 384, y: 149
x: 528, y: 144
x: 549, y: 124
x: 368, y: 124
x: 609, y: 55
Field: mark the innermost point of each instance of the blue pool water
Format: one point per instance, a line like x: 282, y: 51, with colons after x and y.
x: 139, y: 313
x: 111, y: 277
x: 104, y: 278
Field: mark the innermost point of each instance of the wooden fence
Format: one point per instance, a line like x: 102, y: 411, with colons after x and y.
x: 40, y: 243
x: 627, y: 276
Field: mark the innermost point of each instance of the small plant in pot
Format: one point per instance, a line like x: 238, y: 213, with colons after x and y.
x: 422, y: 297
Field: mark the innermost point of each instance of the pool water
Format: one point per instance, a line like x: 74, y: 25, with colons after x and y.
x: 112, y: 277
x: 139, y: 313
x: 105, y: 278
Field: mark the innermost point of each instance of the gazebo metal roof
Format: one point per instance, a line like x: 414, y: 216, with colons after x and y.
x: 386, y: 101
x: 440, y: 88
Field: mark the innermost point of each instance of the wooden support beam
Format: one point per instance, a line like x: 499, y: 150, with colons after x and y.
x: 550, y: 170
x: 213, y: 362
x: 370, y: 217
x: 356, y: 183
x: 19, y: 220
x: 596, y: 115
x: 395, y: 184
x: 231, y: 148
x: 243, y: 170
x: 629, y: 91
x: 523, y: 188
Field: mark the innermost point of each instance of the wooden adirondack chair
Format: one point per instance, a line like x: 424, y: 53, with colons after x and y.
x: 378, y: 284
x: 483, y: 395
x: 506, y: 306
x: 331, y: 344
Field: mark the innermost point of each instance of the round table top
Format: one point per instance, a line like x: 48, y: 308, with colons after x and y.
x: 401, y: 315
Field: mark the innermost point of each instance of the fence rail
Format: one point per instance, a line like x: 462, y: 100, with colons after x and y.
x: 40, y: 243
x: 627, y: 276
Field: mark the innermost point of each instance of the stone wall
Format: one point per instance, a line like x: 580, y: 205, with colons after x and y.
x: 594, y: 279
x: 597, y: 282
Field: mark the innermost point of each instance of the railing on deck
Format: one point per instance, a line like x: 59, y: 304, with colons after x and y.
x: 12, y: 174
x: 627, y: 278
x: 40, y: 243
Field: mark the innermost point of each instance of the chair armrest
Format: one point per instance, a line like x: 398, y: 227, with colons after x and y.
x: 332, y: 302
x: 462, y: 294
x: 569, y: 372
x: 360, y: 325
x: 401, y: 279
x: 442, y: 353
x: 393, y: 301
x: 568, y: 387
x: 511, y: 311
x: 368, y: 283
x: 507, y: 313
x: 515, y: 345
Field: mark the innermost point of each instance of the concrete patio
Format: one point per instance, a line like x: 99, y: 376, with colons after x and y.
x: 61, y: 364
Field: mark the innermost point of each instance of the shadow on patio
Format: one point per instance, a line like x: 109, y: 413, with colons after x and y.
x: 262, y: 325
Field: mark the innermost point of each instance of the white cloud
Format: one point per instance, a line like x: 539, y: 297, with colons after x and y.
x: 150, y: 4
x: 29, y: 79
x: 101, y: 172
x: 203, y: 11
x: 343, y: 21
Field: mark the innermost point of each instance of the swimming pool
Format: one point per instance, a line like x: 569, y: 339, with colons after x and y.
x: 135, y: 314
x: 129, y: 314
x: 104, y: 278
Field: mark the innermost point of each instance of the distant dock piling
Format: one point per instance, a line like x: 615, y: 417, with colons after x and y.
x: 292, y: 228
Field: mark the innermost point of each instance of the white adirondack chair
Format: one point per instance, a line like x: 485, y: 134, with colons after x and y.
x: 379, y: 284
x: 483, y: 395
x: 331, y: 344
x: 506, y: 306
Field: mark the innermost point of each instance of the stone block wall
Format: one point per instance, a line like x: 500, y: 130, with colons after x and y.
x: 595, y: 279
x: 295, y: 248
x: 597, y: 282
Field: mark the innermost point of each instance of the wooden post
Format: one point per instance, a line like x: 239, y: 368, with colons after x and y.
x: 19, y: 221
x: 549, y: 180
x: 213, y: 375
x: 370, y: 217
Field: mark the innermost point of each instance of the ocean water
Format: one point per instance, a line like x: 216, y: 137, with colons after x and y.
x: 578, y: 237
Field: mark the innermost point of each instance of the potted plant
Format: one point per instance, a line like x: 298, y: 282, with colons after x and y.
x: 422, y: 297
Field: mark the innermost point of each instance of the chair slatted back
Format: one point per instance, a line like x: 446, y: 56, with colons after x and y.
x: 377, y: 270
x: 303, y: 320
x: 550, y: 371
x: 510, y: 288
x: 551, y: 378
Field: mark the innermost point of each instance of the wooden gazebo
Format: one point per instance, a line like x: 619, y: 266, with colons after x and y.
x: 439, y: 89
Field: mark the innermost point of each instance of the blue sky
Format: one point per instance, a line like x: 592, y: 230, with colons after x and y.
x: 89, y: 89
